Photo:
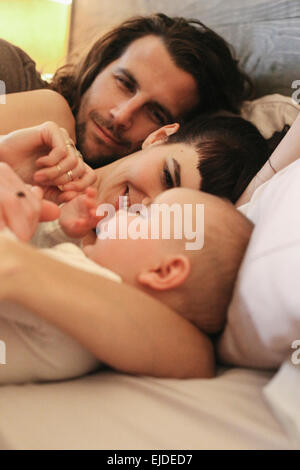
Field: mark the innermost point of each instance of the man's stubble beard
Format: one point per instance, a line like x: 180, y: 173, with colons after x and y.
x: 98, y: 160
x: 93, y: 161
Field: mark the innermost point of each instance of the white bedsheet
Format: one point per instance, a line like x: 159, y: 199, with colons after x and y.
x: 115, y: 411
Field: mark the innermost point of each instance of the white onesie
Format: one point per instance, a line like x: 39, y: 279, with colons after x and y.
x: 34, y: 349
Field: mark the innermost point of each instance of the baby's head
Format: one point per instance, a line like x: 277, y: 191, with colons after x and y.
x: 188, y: 257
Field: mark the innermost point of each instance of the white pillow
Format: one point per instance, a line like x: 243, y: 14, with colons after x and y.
x: 264, y: 314
x: 269, y: 114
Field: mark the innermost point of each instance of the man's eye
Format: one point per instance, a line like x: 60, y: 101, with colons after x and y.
x: 125, y: 83
x: 158, y: 117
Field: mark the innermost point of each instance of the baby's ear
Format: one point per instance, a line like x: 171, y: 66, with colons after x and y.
x: 172, y: 272
x: 160, y: 135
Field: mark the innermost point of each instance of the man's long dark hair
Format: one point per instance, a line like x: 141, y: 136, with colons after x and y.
x: 193, y: 47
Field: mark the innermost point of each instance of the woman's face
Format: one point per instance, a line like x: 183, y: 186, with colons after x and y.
x: 147, y: 173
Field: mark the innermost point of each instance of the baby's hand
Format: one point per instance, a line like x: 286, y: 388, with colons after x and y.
x: 78, y: 216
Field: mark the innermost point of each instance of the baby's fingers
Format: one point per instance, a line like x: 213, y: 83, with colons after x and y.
x: 67, y: 196
x: 91, y: 192
x: 90, y: 202
x: 95, y: 219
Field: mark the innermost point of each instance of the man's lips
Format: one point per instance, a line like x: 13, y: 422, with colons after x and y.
x: 106, y: 136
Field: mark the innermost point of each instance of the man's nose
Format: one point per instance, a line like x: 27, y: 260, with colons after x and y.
x: 124, y: 113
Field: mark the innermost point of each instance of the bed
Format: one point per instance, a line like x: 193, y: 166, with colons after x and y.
x: 108, y: 410
x: 115, y: 411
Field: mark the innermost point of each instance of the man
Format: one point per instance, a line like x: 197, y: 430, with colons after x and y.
x: 147, y: 72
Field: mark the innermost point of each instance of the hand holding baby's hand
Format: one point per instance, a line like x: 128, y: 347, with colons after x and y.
x: 78, y: 216
x: 63, y: 166
x: 47, y: 156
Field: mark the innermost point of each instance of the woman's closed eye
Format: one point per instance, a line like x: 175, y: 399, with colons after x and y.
x: 167, y: 181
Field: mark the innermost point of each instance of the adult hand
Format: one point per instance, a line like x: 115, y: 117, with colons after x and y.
x: 22, y: 206
x: 9, y: 281
x: 70, y: 173
x: 18, y: 269
x: 50, y: 149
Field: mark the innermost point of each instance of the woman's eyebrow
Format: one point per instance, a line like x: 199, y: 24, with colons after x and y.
x: 135, y: 83
x: 177, y: 175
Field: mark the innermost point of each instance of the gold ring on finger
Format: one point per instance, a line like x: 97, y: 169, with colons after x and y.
x: 69, y: 143
x: 70, y: 175
x: 79, y: 155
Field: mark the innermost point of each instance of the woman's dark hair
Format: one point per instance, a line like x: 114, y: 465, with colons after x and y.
x: 231, y: 151
x: 193, y: 47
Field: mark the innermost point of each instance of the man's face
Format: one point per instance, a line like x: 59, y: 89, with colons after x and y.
x: 133, y: 96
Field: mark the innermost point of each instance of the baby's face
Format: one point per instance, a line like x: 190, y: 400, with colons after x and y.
x: 130, y: 242
x: 118, y: 247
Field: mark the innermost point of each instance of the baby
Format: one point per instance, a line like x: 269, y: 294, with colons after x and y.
x: 193, y: 278
x: 197, y: 283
